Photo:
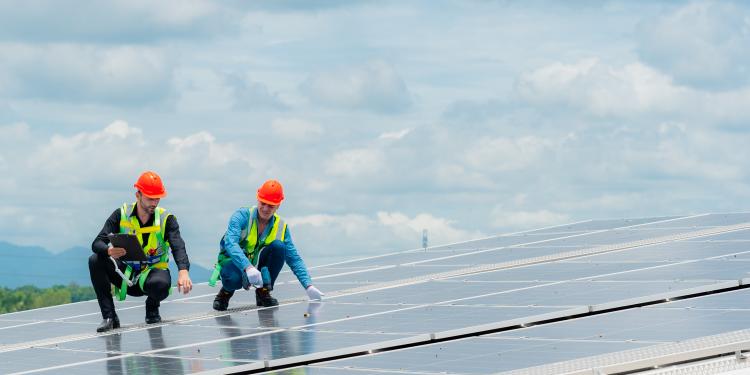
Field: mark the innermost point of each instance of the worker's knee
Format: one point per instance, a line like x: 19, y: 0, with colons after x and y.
x: 160, y: 294
x: 157, y: 284
x: 93, y: 261
x: 231, y: 278
x: 277, y: 246
x: 274, y: 252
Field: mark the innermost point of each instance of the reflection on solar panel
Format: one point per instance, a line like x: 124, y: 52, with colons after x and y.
x: 613, y: 296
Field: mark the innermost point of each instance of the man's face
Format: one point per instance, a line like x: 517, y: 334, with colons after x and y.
x: 146, y: 203
x: 265, y: 210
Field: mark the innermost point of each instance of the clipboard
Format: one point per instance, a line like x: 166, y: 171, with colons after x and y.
x: 133, y: 249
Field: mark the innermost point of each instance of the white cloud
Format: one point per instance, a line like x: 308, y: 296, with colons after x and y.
x: 350, y: 225
x: 206, y: 90
x: 119, y: 75
x: 88, y: 171
x: 730, y: 106
x: 252, y: 95
x: 395, y: 135
x: 108, y: 152
x: 356, y: 162
x: 201, y: 154
x: 296, y: 129
x: 362, y: 235
x: 505, y: 154
x: 453, y: 175
x: 702, y: 44
x: 628, y: 91
x: 170, y: 12
x: 606, y: 202
x: 200, y: 147
x: 503, y: 218
x: 13, y: 133
x: 440, y: 230
x: 375, y: 87
x: 602, y: 90
x: 202, y: 90
x: 113, y: 21
x: 700, y: 154
x: 120, y: 151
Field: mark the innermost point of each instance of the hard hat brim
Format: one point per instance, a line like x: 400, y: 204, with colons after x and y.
x: 154, y: 196
x: 266, y: 201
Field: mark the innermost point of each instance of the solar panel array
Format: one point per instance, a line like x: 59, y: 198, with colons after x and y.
x: 594, y: 294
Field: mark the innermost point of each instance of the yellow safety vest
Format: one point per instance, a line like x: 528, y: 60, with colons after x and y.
x: 249, y: 238
x: 157, y: 247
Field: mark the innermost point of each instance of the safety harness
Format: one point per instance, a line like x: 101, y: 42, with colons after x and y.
x: 249, y: 243
x: 156, y: 249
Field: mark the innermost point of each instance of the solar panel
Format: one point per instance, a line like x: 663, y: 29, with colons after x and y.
x: 459, y: 308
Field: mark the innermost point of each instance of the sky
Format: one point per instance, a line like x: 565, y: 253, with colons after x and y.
x: 380, y: 118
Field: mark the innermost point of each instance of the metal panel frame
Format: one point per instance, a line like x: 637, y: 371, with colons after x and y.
x: 646, y: 358
x: 664, y: 297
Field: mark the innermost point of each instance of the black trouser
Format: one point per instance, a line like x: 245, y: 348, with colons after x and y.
x: 103, y: 274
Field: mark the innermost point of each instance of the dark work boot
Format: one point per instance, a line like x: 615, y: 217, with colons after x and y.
x: 113, y: 322
x: 263, y: 298
x: 222, y: 299
x: 152, y: 312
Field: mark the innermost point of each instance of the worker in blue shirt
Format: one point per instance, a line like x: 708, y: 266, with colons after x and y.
x: 254, y: 248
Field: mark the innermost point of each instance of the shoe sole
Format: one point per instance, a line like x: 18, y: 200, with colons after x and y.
x: 115, y: 325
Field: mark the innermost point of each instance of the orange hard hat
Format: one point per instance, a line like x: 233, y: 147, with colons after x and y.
x: 150, y: 185
x: 271, y: 193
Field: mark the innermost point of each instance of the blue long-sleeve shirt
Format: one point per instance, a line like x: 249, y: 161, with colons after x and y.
x: 230, y: 243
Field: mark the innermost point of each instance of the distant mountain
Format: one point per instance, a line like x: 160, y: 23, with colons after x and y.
x: 33, y: 265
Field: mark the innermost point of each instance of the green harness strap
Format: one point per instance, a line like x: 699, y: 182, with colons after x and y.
x: 142, y: 277
x: 122, y: 291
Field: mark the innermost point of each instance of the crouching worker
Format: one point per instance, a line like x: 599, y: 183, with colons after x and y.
x: 157, y: 231
x: 254, y: 248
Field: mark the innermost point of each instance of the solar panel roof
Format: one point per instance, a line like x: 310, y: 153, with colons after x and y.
x: 587, y: 296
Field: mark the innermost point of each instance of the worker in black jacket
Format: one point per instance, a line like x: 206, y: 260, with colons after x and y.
x: 157, y: 231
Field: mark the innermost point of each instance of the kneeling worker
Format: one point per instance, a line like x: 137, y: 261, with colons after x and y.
x: 157, y: 231
x: 253, y: 251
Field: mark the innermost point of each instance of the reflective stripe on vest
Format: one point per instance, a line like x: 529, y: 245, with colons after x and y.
x: 157, y: 248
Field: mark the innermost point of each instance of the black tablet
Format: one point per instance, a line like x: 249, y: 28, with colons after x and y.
x: 129, y: 242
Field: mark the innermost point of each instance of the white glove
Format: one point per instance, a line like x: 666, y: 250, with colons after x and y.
x: 314, y: 294
x: 253, y: 277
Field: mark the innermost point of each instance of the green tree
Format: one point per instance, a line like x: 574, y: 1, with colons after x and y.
x: 31, y: 297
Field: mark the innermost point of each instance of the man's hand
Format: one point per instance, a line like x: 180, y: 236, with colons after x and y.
x: 116, y: 252
x: 314, y: 294
x: 254, y: 277
x: 184, y: 283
